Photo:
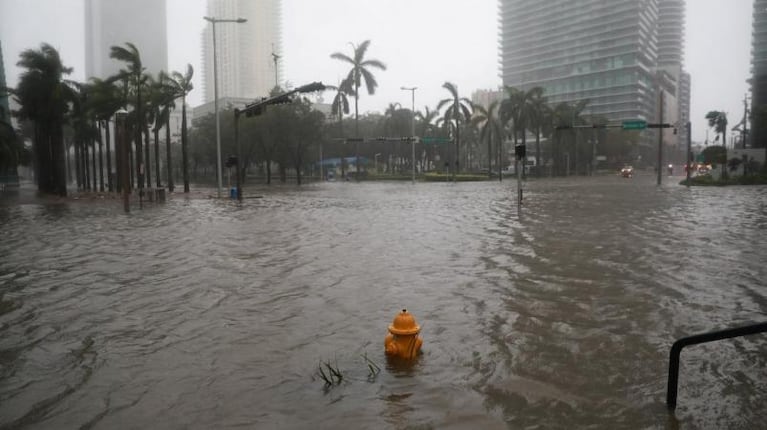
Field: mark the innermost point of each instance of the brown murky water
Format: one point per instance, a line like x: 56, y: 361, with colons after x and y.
x: 203, y: 314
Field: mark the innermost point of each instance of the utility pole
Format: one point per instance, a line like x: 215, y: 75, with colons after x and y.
x: 213, y: 22
x: 276, y: 58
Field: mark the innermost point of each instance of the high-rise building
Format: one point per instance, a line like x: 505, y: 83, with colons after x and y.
x: 670, y: 32
x: 759, y: 75
x: 604, y: 51
x: 246, y: 52
x: 113, y: 23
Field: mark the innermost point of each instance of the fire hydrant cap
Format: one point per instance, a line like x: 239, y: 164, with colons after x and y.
x: 404, y: 324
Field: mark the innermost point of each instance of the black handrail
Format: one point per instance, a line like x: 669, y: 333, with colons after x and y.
x: 676, y: 350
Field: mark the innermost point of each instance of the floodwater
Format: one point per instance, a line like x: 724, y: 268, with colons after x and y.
x: 204, y: 314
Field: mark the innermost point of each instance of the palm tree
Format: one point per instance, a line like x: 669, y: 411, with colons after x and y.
x: 340, y: 105
x: 182, y: 85
x: 489, y: 126
x: 81, y: 119
x: 135, y: 77
x: 158, y: 116
x: 426, y: 126
x: 11, y: 146
x: 718, y: 121
x: 360, y: 73
x: 168, y: 104
x: 568, y: 115
x: 43, y: 95
x: 458, y: 111
x: 537, y: 115
x: 105, y: 100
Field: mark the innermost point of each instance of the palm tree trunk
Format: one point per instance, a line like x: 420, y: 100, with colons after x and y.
x: 500, y: 158
x: 357, y: 131
x: 132, y: 169
x: 69, y: 163
x: 86, y: 167
x: 59, y: 175
x: 575, y: 150
x: 490, y: 153
x: 93, y: 163
x: 101, y: 161
x: 78, y: 171
x: 457, y: 145
x: 167, y: 154
x: 184, y: 152
x: 147, y: 153
x: 138, y: 156
x: 724, y: 144
x: 538, y: 151
x: 110, y: 176
x: 139, y: 127
x: 157, y: 156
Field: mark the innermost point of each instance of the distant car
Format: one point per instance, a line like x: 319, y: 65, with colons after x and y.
x: 627, y: 171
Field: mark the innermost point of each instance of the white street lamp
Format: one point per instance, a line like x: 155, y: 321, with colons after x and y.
x: 412, y: 127
x: 213, y: 22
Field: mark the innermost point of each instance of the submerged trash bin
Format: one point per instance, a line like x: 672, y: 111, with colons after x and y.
x: 233, y: 193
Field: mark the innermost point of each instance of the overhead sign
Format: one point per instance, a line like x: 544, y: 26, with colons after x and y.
x: 635, y: 124
x: 435, y: 140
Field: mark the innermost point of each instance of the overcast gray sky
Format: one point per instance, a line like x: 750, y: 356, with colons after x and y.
x: 423, y: 42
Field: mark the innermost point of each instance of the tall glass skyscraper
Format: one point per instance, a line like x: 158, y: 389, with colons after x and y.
x: 604, y: 51
x: 246, y: 66
x: 759, y: 75
x: 113, y: 22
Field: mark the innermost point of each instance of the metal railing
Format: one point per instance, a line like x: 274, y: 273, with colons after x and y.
x: 676, y: 350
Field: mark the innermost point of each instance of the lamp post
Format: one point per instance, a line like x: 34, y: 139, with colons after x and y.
x: 213, y: 22
x: 412, y: 127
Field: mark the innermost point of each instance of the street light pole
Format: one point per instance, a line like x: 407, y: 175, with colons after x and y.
x: 213, y: 22
x: 412, y: 127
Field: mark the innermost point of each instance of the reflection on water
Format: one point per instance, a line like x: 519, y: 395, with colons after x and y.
x: 203, y: 314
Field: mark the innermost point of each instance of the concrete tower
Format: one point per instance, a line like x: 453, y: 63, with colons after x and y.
x: 600, y: 50
x: 246, y: 68
x: 113, y: 23
x: 759, y: 75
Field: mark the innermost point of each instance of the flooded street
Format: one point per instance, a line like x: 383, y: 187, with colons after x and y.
x: 204, y: 314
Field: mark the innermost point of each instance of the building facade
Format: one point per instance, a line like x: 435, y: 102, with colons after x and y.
x: 671, y: 26
x: 245, y: 52
x: 759, y: 75
x: 113, y: 23
x: 616, y: 54
x: 597, y: 50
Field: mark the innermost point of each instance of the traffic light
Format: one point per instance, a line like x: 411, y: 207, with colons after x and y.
x: 310, y: 88
x: 521, y: 151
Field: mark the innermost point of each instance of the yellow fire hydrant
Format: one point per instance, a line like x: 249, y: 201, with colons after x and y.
x: 403, y: 340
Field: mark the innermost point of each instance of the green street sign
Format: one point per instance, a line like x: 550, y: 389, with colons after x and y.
x: 435, y: 140
x: 635, y: 124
